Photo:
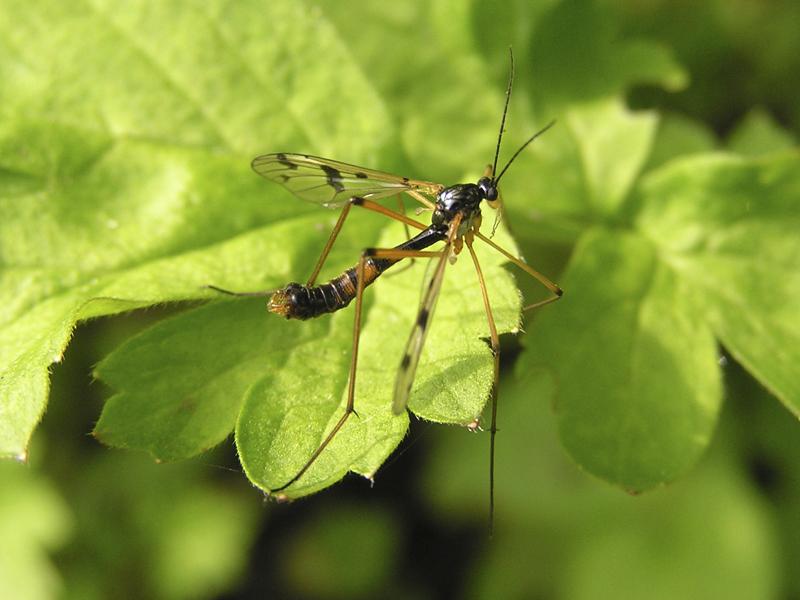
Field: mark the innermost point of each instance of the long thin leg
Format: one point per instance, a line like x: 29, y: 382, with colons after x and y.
x: 363, y: 203
x: 390, y: 253
x: 557, y: 291
x: 329, y: 244
x: 495, y: 341
x: 402, y: 210
x: 416, y: 340
x: 260, y: 293
x: 540, y: 303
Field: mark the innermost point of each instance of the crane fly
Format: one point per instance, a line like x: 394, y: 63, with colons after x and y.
x: 455, y: 222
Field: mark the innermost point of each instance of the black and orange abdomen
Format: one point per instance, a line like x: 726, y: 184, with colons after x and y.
x: 297, y: 301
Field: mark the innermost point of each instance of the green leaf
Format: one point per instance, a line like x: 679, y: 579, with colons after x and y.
x: 33, y: 521
x: 584, y: 170
x: 635, y: 364
x: 125, y: 139
x: 707, y: 228
x: 575, y: 528
x: 285, y: 417
x: 678, y: 135
x: 184, y: 382
x: 124, y: 183
x: 608, y: 178
x: 727, y: 227
x: 456, y: 479
x: 174, y: 531
x: 181, y: 383
x: 228, y: 76
x: 758, y: 133
x: 143, y: 199
x: 595, y: 63
x: 497, y: 25
x: 430, y: 42
x: 725, y: 562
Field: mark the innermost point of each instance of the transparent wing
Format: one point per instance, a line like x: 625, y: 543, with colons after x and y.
x: 331, y: 183
x: 408, y: 366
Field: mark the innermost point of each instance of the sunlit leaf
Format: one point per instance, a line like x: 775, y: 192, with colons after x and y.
x: 125, y: 138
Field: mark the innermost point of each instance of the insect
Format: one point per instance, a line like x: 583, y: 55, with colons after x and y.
x: 455, y: 223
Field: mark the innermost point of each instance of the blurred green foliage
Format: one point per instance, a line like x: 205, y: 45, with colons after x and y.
x: 666, y: 198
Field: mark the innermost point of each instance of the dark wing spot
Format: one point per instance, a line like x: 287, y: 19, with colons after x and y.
x: 361, y: 175
x: 405, y: 179
x: 285, y: 161
x: 334, y: 177
x: 422, y: 318
x: 357, y: 200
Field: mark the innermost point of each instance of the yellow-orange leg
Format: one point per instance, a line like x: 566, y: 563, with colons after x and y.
x: 557, y: 293
x: 495, y: 344
x: 390, y: 253
x: 356, y: 201
x: 416, y: 340
x: 363, y: 203
x: 554, y: 289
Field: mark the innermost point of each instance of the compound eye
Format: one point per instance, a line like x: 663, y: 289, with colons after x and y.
x: 487, y: 188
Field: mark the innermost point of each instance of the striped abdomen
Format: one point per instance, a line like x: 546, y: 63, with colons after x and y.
x: 296, y: 301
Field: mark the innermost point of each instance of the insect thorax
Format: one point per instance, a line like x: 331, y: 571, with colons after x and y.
x: 462, y: 198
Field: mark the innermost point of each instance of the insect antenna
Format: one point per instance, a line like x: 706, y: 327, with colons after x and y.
x: 505, y: 110
x: 521, y: 148
x: 495, y: 177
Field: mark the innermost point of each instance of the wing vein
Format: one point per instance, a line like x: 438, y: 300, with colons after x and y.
x: 338, y: 181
